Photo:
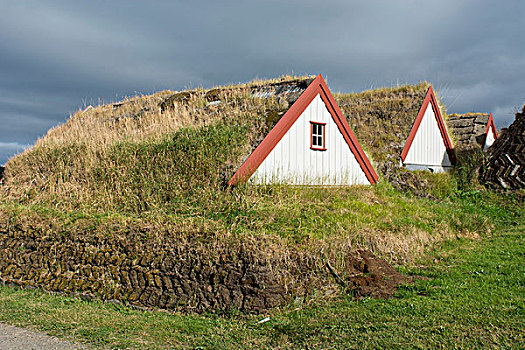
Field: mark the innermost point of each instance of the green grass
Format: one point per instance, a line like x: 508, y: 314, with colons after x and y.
x: 472, y: 295
x: 138, y: 168
x: 394, y: 225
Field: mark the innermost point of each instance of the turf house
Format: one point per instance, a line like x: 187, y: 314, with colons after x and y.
x: 472, y: 130
x: 144, y: 204
x: 153, y: 151
x: 312, y: 144
x: 138, y: 207
x: 400, y: 127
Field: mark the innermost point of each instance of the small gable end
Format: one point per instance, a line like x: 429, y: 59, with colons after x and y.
x: 491, y: 134
x: 428, y: 146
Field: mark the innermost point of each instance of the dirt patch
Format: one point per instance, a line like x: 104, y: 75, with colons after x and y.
x: 16, y: 338
x: 368, y: 275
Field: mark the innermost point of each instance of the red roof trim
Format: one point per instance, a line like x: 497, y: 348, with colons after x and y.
x: 491, y: 123
x: 318, y: 86
x: 430, y: 98
x: 348, y: 134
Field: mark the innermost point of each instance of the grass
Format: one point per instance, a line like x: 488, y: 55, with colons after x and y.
x: 143, y: 173
x: 137, y: 156
x: 141, y: 161
x: 115, y: 154
x: 472, y: 296
x: 396, y: 226
x: 383, y: 118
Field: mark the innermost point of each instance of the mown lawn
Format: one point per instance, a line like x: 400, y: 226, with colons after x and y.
x: 471, y: 295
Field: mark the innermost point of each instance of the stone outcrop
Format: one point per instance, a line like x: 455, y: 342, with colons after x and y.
x: 286, y: 90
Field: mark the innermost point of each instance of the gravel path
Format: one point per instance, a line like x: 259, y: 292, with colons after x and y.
x: 14, y: 338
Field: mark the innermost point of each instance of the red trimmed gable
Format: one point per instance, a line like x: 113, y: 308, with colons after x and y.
x: 317, y: 87
x: 430, y: 98
x: 493, y: 125
x: 490, y: 126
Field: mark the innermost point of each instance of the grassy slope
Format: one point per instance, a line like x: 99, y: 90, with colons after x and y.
x: 473, y: 297
x: 395, y: 226
x: 119, y: 175
x: 140, y: 161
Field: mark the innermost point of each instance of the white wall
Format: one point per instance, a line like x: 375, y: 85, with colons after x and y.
x: 490, y: 138
x: 293, y: 162
x: 428, y: 151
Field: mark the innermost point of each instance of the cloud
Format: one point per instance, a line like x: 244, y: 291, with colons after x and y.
x: 9, y: 149
x: 13, y: 145
x: 57, y: 56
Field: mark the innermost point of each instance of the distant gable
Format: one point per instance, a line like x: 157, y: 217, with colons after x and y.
x: 491, y: 133
x: 472, y: 130
x: 428, y: 145
x: 384, y: 118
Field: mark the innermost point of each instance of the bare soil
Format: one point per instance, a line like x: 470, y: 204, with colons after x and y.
x: 368, y: 275
x: 14, y: 338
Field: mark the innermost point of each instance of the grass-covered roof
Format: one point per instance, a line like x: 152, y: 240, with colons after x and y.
x: 382, y: 120
x: 153, y: 151
x: 148, y: 151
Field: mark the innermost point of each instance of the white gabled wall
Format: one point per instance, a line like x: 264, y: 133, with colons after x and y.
x: 293, y: 162
x: 428, y: 151
x: 489, y: 140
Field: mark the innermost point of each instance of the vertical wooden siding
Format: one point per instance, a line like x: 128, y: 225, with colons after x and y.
x: 428, y: 149
x: 293, y: 162
x: 489, y: 140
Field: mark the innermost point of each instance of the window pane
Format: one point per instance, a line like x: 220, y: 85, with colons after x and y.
x: 317, y: 135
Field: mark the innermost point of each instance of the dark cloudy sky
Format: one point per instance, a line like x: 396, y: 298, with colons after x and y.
x: 58, y: 56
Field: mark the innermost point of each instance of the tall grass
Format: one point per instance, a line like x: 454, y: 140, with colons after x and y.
x: 140, y: 161
x: 136, y: 157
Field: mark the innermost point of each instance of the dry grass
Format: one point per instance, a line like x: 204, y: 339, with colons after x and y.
x: 141, y: 117
x: 469, y: 114
x: 109, y: 145
x: 141, y: 158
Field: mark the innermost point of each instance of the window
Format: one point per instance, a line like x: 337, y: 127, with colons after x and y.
x: 318, y: 136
